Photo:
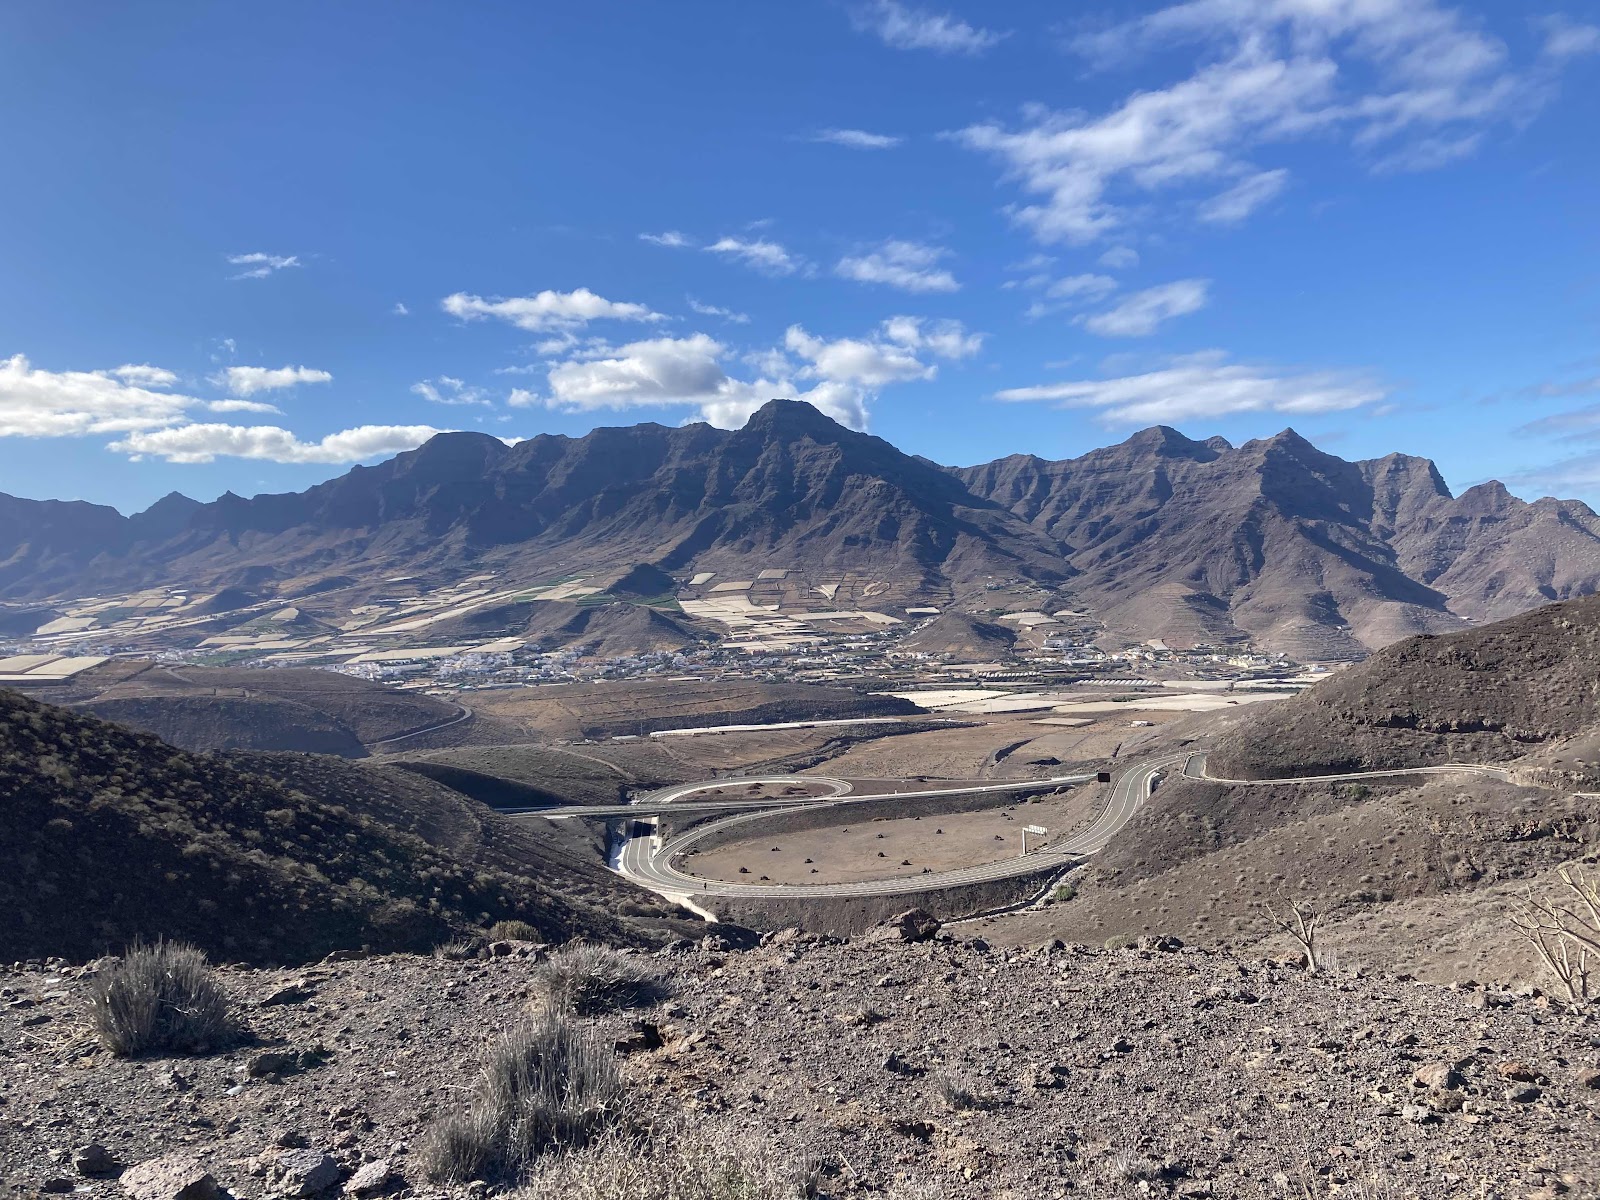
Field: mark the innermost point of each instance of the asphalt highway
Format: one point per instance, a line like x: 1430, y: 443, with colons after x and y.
x: 650, y: 863
x: 676, y: 799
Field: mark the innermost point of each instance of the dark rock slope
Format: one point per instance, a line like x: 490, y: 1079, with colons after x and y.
x: 1196, y: 542
x: 107, y: 836
x: 1525, y: 687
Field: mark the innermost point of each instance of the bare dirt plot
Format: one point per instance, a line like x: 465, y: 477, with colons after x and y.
x: 893, y: 849
x: 971, y: 753
x: 798, y: 790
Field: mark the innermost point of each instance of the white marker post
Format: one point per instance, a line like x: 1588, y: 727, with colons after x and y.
x: 1036, y: 830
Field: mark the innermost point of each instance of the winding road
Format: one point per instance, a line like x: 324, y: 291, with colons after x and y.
x: 649, y: 860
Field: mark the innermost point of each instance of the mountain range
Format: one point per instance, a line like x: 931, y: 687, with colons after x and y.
x: 1160, y: 536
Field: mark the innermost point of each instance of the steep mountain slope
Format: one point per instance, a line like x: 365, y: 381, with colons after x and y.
x: 611, y: 630
x: 1299, y: 550
x: 1161, y: 536
x: 792, y: 487
x: 1521, y: 689
x: 962, y: 637
x: 108, y: 835
x: 221, y: 708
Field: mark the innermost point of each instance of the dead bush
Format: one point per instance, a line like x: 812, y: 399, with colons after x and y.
x: 584, y: 979
x: 676, y: 1164
x: 514, y: 931
x: 161, y: 999
x: 959, y: 1097
x: 547, y: 1084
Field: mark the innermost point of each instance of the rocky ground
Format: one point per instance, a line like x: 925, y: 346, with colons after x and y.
x: 940, y: 1067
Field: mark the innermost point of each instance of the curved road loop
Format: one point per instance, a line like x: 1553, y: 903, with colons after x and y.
x: 649, y: 861
x: 650, y: 864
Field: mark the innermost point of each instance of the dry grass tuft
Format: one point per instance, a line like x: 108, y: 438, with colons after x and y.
x: 677, y: 1164
x: 161, y: 998
x: 547, y: 1084
x: 584, y: 979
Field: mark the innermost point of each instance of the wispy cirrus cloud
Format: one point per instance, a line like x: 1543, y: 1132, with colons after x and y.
x: 247, y: 381
x: 446, y: 389
x: 905, y: 27
x: 761, y: 254
x: 712, y: 310
x: 259, y: 266
x: 242, y: 406
x: 547, y: 310
x: 1206, y: 385
x: 1406, y: 84
x: 670, y: 238
x: 1142, y: 313
x: 909, y: 266
x: 857, y: 139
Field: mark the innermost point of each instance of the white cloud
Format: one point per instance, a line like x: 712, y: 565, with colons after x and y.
x: 448, y: 390
x: 654, y: 372
x: 522, y: 398
x: 711, y: 310
x: 1142, y: 313
x: 205, y: 443
x: 1206, y: 385
x: 546, y: 311
x: 1067, y: 292
x: 909, y: 266
x: 858, y: 139
x: 1120, y: 258
x: 261, y: 265
x: 247, y: 381
x: 242, y: 406
x: 1565, y: 38
x: 400, y: 310
x: 1243, y: 198
x: 670, y: 238
x: 943, y: 338
x: 38, y: 403
x: 840, y: 377
x: 144, y: 375
x: 905, y: 28
x: 1404, y: 81
x: 869, y: 362
x: 765, y: 256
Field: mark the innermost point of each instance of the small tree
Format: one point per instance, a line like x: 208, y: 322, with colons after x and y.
x: 1300, y: 922
x: 1563, y: 927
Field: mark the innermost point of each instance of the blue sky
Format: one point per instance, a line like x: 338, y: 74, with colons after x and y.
x: 245, y: 246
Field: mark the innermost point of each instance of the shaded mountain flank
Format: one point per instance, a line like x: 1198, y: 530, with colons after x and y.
x: 1161, y: 536
x: 228, y: 708
x: 962, y: 637
x: 610, y: 629
x: 107, y: 836
x: 1525, y: 690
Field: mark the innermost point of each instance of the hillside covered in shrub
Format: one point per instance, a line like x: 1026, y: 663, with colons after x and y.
x: 108, y: 836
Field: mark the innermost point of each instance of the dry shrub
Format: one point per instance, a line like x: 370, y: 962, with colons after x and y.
x: 514, y: 931
x: 585, y: 979
x: 547, y: 1084
x: 161, y: 999
x: 679, y: 1163
x: 959, y: 1097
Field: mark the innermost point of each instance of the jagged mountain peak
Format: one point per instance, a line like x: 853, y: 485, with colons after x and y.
x: 1163, y: 535
x: 1166, y: 442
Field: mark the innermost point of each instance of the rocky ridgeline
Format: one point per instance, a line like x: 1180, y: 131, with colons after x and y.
x: 910, y: 1062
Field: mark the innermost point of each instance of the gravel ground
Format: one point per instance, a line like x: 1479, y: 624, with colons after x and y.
x: 937, y: 1068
